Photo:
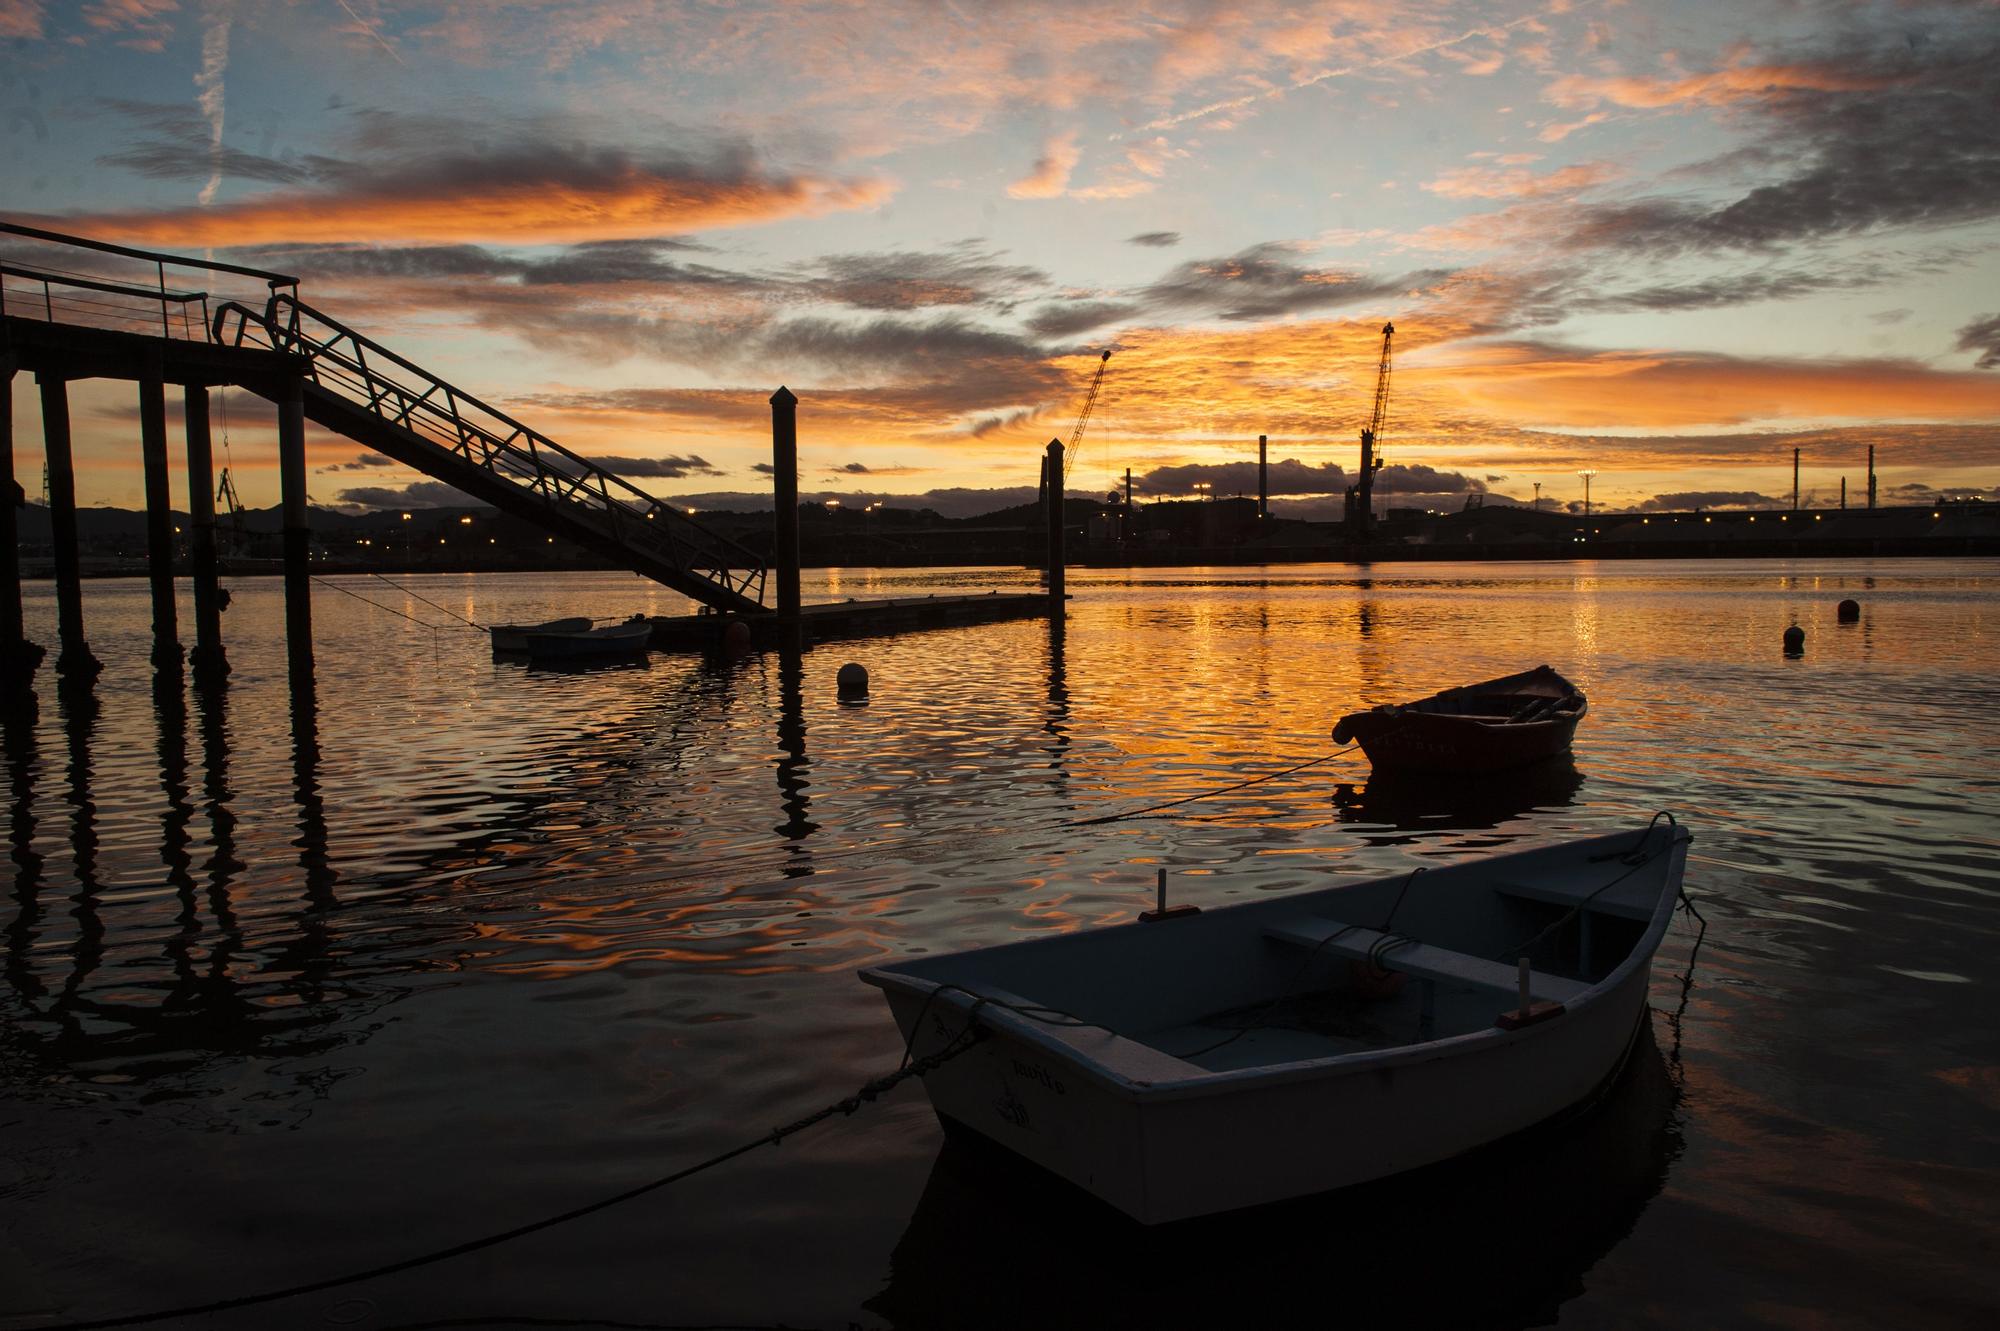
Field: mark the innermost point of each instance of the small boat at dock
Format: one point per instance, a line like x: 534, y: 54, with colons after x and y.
x: 1203, y: 1061
x: 514, y: 637
x: 1473, y: 729
x: 627, y: 639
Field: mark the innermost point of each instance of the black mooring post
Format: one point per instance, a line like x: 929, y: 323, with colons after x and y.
x: 1054, y: 465
x: 18, y: 656
x: 74, y: 659
x: 209, y: 662
x: 298, y: 536
x: 1263, y: 478
x: 785, y: 497
x: 159, y: 515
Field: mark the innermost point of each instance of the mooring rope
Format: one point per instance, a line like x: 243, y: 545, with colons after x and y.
x: 867, y: 1093
x: 1208, y: 794
x: 432, y: 604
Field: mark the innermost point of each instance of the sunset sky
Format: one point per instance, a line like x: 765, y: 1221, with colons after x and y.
x: 1670, y: 242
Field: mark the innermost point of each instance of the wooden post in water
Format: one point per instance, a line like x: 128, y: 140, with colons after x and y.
x: 159, y: 514
x: 1795, y: 480
x: 1054, y: 466
x: 18, y: 656
x: 298, y: 535
x: 785, y: 497
x: 1263, y: 480
x: 209, y: 662
x: 73, y: 661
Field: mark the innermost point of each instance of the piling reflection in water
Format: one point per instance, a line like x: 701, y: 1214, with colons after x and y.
x: 793, y: 765
x: 1502, y: 1237
x: 17, y: 730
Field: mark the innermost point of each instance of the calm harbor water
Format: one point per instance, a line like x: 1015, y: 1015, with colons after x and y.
x: 293, y: 985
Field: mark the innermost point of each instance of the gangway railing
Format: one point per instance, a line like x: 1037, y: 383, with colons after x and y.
x: 382, y: 400
x: 439, y: 415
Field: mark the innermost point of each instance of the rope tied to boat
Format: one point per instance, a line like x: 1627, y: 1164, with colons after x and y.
x: 965, y: 1039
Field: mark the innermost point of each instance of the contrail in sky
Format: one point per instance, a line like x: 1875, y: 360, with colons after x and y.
x: 1202, y: 112
x: 214, y: 63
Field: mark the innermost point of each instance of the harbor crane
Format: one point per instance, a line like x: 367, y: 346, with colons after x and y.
x: 1083, y: 419
x: 1361, y: 495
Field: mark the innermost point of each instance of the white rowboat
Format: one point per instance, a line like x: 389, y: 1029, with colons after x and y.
x: 514, y: 637
x: 1204, y: 1062
x: 627, y: 639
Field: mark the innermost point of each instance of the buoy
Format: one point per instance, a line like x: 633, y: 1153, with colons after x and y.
x: 736, y: 636
x: 1849, y: 611
x: 1795, y: 641
x: 852, y: 681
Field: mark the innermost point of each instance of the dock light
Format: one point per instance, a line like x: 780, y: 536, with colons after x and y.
x: 1937, y: 515
x: 1708, y: 519
x: 406, y: 517
x: 440, y: 540
x: 1753, y: 517
x: 465, y: 521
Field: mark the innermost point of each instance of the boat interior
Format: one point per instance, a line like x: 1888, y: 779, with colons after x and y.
x: 1317, y: 975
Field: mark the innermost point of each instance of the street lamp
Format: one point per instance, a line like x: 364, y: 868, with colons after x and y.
x: 1587, y: 473
x: 1538, y: 496
x: 1201, y: 489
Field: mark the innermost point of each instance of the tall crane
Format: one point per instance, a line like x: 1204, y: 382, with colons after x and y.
x: 1361, y: 495
x: 1083, y: 419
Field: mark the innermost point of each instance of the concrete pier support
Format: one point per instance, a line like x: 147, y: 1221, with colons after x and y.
x: 159, y: 517
x: 785, y: 497
x: 18, y: 657
x: 298, y: 535
x: 73, y: 661
x: 1054, y: 466
x: 208, y: 659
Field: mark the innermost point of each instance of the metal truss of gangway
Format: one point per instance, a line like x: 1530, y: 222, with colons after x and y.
x: 354, y: 386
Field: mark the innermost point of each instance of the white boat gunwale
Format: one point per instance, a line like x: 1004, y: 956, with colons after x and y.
x: 1197, y: 1081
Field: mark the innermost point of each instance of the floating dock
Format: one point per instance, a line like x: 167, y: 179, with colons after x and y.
x: 848, y: 619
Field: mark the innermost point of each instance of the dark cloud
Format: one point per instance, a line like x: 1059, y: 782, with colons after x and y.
x: 903, y: 280
x: 366, y: 462
x: 181, y: 148
x: 1683, y: 501
x: 950, y: 503
x: 672, y: 468
x: 1889, y: 317
x: 385, y: 261
x: 986, y: 364
x: 1910, y: 138
x: 853, y: 469
x: 615, y: 261
x: 1292, y: 477
x: 417, y: 494
x: 763, y: 468
x: 1155, y: 239
x: 1982, y: 336
x: 1072, y: 317
x: 197, y: 161
x: 1262, y: 282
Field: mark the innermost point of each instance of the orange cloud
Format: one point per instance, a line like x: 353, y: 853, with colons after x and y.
x: 1049, y: 177
x: 1736, y: 84
x: 1478, y: 182
x: 631, y: 203
x: 1627, y: 390
x: 20, y: 19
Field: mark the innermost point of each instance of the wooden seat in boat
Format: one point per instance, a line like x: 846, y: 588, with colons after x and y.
x: 1421, y: 959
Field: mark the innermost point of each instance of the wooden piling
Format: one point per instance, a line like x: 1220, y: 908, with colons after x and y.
x: 207, y: 658
x: 74, y: 660
x: 785, y: 497
x: 1054, y: 466
x: 298, y: 535
x: 159, y: 514
x: 18, y: 656
x: 1263, y: 479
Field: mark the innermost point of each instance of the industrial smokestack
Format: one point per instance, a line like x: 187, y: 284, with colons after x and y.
x: 1263, y: 480
x: 1843, y: 494
x: 1871, y: 475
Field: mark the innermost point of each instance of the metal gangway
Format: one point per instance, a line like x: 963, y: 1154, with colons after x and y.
x: 358, y: 388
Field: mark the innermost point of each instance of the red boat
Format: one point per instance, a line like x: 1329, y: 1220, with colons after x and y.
x: 1475, y: 728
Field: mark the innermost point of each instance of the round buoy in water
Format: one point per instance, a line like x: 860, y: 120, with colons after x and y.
x: 1849, y: 611
x: 1795, y: 641
x: 736, y: 636
x: 852, y: 681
